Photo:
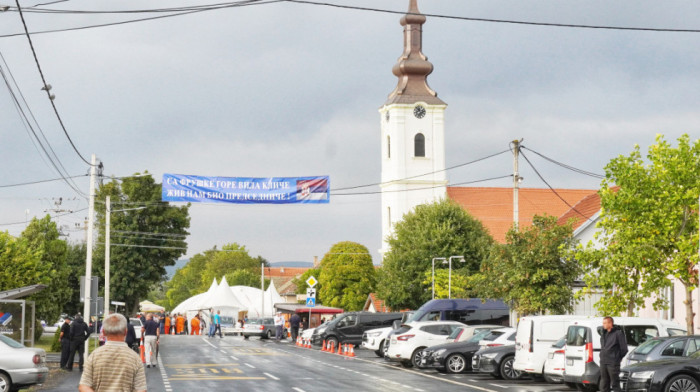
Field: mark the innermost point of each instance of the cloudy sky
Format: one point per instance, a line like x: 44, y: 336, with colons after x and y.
x: 287, y: 89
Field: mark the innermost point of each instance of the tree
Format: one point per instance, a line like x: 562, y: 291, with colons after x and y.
x: 244, y: 277
x: 75, y: 261
x: 439, y: 229
x: 187, y: 281
x: 460, y: 282
x: 648, y: 228
x: 144, y: 241
x: 528, y: 271
x: 19, y: 262
x: 230, y: 258
x: 42, y: 236
x: 300, y: 282
x: 348, y: 276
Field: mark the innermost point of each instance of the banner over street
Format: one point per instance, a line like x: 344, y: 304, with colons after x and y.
x: 244, y: 190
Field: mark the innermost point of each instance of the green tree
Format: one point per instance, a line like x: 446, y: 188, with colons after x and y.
x: 42, y: 235
x: 648, y: 228
x: 460, y: 282
x: 20, y: 263
x: 187, y: 280
x: 144, y: 241
x: 245, y: 277
x: 230, y: 258
x: 348, y: 276
x: 529, y: 270
x: 75, y: 261
x: 439, y: 229
x: 300, y: 282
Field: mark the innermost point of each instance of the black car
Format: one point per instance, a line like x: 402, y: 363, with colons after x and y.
x: 667, y: 347
x: 667, y: 375
x: 349, y: 327
x: 497, y: 361
x: 452, y: 357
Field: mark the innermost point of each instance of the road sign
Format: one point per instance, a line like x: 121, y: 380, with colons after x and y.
x: 310, y: 293
x: 310, y: 302
x: 311, y: 281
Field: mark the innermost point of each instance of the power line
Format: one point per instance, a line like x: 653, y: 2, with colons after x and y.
x: 40, y: 181
x: 55, y: 216
x: 205, y: 7
x: 149, y: 233
x: 565, y: 166
x: 552, y: 189
x: 506, y: 21
x: 46, y: 87
x: 424, y: 188
x: 145, y: 246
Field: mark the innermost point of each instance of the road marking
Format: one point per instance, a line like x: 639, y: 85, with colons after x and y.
x: 249, y: 365
x: 298, y: 389
x: 499, y: 386
x: 234, y: 358
x: 271, y: 376
x: 223, y: 351
x: 208, y: 342
x: 164, y: 376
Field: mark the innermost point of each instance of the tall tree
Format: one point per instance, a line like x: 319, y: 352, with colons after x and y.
x: 230, y: 258
x: 144, y: 241
x: 348, y: 276
x: 648, y: 227
x: 439, y: 229
x: 75, y: 261
x: 300, y: 282
x: 42, y: 236
x: 529, y: 270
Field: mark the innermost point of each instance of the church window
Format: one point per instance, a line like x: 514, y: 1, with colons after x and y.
x: 388, y: 146
x: 419, y: 145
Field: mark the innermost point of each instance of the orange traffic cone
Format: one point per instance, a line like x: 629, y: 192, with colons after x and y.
x: 323, y: 347
x: 340, y: 349
x: 142, y: 349
x: 351, y: 353
x: 308, y: 343
x: 298, y: 341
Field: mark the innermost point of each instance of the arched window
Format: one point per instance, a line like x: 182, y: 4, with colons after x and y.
x: 419, y: 145
x: 388, y: 146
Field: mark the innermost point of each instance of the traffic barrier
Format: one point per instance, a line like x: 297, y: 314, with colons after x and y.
x: 142, y: 350
x: 351, y: 353
x: 323, y: 347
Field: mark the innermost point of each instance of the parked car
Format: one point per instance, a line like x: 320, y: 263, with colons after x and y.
x: 499, y: 337
x: 349, y: 327
x: 467, y: 332
x: 407, y: 344
x: 680, y: 374
x: 583, y: 345
x: 470, y: 311
x: 668, y: 347
x: 555, y: 363
x: 535, y: 337
x: 497, y: 361
x: 20, y: 366
x: 262, y: 327
x: 136, y: 322
x: 452, y: 357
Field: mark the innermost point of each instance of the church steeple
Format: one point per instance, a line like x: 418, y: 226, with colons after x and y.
x: 413, y: 66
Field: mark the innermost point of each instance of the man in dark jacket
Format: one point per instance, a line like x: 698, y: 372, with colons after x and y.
x: 130, y: 338
x: 79, y: 332
x: 613, y: 347
x: 65, y: 342
x: 294, y: 323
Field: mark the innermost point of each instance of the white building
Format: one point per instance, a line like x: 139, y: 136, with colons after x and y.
x: 412, y: 132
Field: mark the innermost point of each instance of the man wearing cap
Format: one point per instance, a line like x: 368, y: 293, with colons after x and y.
x: 279, y: 325
x: 64, y: 338
x: 79, y: 332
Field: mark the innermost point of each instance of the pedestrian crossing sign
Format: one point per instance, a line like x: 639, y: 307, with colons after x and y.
x: 310, y: 302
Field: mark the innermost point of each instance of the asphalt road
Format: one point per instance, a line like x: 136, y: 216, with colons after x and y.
x: 188, y: 363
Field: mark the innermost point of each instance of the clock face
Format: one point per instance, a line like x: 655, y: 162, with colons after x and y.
x: 419, y: 111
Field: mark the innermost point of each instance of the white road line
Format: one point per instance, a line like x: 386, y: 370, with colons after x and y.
x: 223, y: 351
x: 499, y: 386
x: 234, y: 358
x: 271, y: 376
x: 164, y: 375
x: 298, y: 389
x: 208, y: 342
x: 249, y: 365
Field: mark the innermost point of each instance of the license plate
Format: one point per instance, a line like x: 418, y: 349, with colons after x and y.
x: 569, y: 362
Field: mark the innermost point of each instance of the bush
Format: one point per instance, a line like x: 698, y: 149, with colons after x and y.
x: 56, y: 343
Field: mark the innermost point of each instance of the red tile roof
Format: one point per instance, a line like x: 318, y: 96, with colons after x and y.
x: 379, y: 305
x: 494, y: 206
x: 582, y: 211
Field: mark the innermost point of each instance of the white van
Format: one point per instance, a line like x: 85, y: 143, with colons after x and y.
x: 535, y: 336
x: 583, y: 345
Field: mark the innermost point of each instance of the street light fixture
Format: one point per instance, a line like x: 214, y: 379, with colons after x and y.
x: 449, y: 280
x: 436, y: 259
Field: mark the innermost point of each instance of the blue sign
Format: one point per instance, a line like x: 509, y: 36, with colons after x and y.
x: 243, y: 190
x: 310, y: 302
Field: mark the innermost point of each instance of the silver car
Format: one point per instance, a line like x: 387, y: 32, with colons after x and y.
x: 263, y: 327
x: 20, y: 366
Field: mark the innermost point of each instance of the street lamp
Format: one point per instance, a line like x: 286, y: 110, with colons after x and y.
x: 436, y: 259
x: 449, y: 280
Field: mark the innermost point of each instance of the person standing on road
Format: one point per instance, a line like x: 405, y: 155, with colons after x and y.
x: 151, y: 333
x: 195, y: 325
x: 114, y: 366
x: 294, y: 323
x: 161, y: 322
x: 78, y: 334
x: 217, y: 324
x: 613, y: 347
x: 166, y: 328
x: 211, y: 322
x: 64, y: 338
x: 130, y: 339
x: 279, y: 326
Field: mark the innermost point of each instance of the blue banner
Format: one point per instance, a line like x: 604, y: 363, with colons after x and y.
x: 242, y: 190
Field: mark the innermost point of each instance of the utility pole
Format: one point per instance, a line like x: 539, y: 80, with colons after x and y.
x: 108, y: 219
x: 88, y: 258
x: 516, y: 183
x: 262, y: 289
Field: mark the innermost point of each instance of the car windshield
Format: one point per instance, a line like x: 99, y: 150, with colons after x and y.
x: 646, y: 347
x: 455, y: 333
x: 478, y: 337
x: 493, y: 335
x: 10, y: 342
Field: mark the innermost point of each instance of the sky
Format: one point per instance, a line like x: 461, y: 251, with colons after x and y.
x: 290, y: 89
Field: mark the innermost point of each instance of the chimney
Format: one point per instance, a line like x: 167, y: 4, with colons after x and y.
x: 316, y: 263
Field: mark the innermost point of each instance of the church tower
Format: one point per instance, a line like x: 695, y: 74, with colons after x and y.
x: 413, y: 132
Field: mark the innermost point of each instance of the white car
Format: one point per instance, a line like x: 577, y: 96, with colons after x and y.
x: 374, y: 340
x: 467, y: 331
x: 407, y: 343
x: 555, y: 363
x: 499, y: 337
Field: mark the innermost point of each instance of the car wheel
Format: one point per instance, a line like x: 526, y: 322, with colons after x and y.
x: 333, y: 341
x: 417, y: 356
x: 5, y: 383
x: 682, y: 383
x: 245, y: 337
x: 385, y: 351
x: 455, y: 363
x: 506, y: 369
x: 268, y: 335
x: 380, y: 351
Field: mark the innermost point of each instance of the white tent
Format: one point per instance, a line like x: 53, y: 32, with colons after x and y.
x: 195, y: 303
x: 150, y: 307
x: 223, y: 299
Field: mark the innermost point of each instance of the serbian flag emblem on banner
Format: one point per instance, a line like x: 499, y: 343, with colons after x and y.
x: 315, y: 189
